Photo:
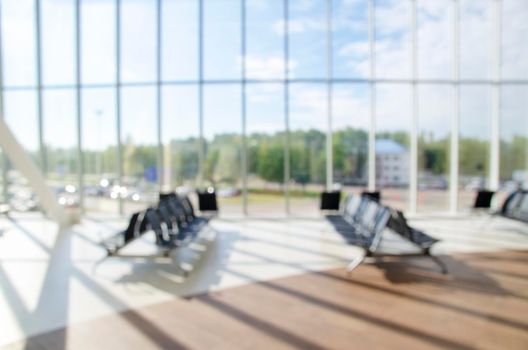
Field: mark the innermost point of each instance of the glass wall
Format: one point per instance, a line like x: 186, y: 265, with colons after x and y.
x: 474, y: 143
x: 180, y: 137
x: 139, y: 147
x: 265, y: 144
x: 393, y: 127
x: 307, y: 143
x: 351, y: 118
x: 514, y: 139
x: 223, y: 145
x: 99, y: 144
x: 251, y: 81
x: 433, y: 147
x: 60, y: 142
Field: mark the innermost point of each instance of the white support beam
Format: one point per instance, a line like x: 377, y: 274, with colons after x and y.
x: 329, y: 77
x: 455, y: 114
x: 413, y: 178
x: 22, y: 161
x: 494, y: 171
x: 372, y: 120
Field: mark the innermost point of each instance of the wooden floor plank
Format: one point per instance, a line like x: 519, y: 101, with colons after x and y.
x: 401, y: 304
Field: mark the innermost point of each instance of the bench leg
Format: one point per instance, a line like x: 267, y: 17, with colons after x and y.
x: 440, y: 263
x: 355, y: 262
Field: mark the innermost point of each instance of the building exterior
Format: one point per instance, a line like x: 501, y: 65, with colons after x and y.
x: 392, y: 164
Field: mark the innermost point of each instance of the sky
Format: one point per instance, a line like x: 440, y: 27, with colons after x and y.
x: 264, y: 59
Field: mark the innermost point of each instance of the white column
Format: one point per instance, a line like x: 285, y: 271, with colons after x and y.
x: 329, y: 74
x: 372, y: 120
x: 286, y: 108
x: 494, y: 173
x: 413, y: 178
x: 455, y: 113
x: 244, y: 109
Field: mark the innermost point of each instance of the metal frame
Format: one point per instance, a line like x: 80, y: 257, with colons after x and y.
x: 495, y: 82
x: 372, y: 85
x: 38, y: 73
x: 243, y: 107
x: 118, y: 103
x: 80, y: 155
x: 413, y: 178
x: 286, y: 43
x: 329, y: 86
x: 455, y: 113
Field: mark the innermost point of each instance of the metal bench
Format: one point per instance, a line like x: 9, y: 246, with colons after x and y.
x: 363, y: 222
x: 173, y: 222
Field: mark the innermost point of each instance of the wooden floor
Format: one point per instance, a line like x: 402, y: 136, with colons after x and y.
x: 481, y: 304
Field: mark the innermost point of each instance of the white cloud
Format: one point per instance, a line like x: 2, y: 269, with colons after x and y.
x: 266, y: 67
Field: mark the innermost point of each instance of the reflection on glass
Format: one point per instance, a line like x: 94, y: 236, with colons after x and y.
x: 138, y: 40
x: 434, y: 39
x: 475, y: 37
x: 60, y: 140
x: 222, y: 132
x: 179, y: 40
x: 98, y: 41
x: 350, y: 39
x: 180, y: 136
x: 18, y: 42
x: 308, y: 125
x: 20, y: 114
x: 265, y: 142
x: 393, y: 122
x: 58, y: 41
x: 139, y: 186
x: 265, y: 44
x: 514, y: 43
x: 433, y: 148
x: 99, y: 149
x: 474, y: 143
x: 351, y: 115
x: 307, y: 39
x: 393, y: 44
x: 221, y: 26
x: 514, y: 140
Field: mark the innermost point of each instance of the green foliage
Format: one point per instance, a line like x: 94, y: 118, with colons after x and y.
x: 222, y: 163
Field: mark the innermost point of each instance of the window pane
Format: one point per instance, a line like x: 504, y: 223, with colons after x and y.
x: 222, y: 132
x: 434, y: 39
x: 474, y: 147
x: 393, y: 35
x: 20, y: 108
x: 265, y: 43
x: 475, y: 39
x: 514, y: 43
x: 308, y: 125
x: 433, y: 147
x: 514, y: 138
x: 21, y: 116
x: 140, y: 149
x: 221, y: 39
x: 60, y: 138
x: 138, y: 41
x: 98, y: 41
x: 351, y: 113
x: 350, y: 39
x: 99, y: 137
x: 265, y: 130
x: 307, y: 38
x: 58, y: 42
x: 18, y: 42
x: 180, y: 136
x: 180, y: 40
x: 393, y: 122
